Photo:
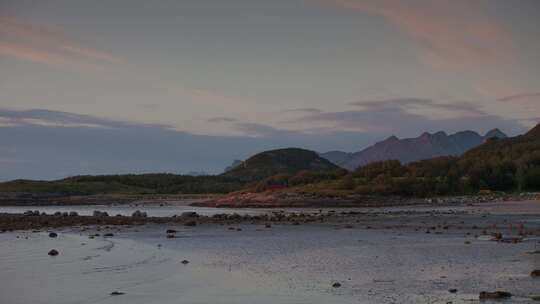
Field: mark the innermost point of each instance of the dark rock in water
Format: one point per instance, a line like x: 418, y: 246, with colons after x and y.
x: 31, y: 213
x: 117, y: 293
x: 185, y: 262
x: 139, y: 213
x: 535, y: 273
x: 336, y: 285
x: 171, y: 236
x: 495, y: 295
x: 53, y: 234
x: 190, y: 223
x: 189, y: 214
x: 58, y: 213
x: 73, y: 213
x: 108, y: 235
x: 53, y: 252
x: 453, y: 290
x: 170, y: 231
x: 100, y: 213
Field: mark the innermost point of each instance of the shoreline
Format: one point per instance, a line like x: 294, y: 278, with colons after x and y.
x: 32, y: 220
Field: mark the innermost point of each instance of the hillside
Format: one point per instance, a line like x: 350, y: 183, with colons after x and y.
x: 409, y: 150
x: 282, y: 161
x: 126, y: 184
x: 499, y: 164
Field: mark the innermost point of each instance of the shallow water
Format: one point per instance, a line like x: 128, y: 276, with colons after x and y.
x: 284, y: 264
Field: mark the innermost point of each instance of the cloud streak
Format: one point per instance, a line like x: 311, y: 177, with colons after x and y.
x: 520, y: 97
x: 49, y: 46
x: 449, y: 32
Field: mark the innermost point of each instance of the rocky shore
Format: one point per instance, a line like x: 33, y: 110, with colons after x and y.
x: 431, y: 220
x: 285, y: 199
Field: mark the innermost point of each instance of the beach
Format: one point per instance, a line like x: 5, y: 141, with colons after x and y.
x: 396, y: 255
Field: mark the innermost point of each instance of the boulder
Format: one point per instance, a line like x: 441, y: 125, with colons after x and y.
x: 53, y: 234
x: 100, y: 213
x: 336, y: 285
x: 139, y: 213
x: 53, y: 252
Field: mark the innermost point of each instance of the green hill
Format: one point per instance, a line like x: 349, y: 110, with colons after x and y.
x: 127, y: 184
x: 282, y: 161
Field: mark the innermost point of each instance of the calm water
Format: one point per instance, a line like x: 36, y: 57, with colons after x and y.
x: 284, y: 264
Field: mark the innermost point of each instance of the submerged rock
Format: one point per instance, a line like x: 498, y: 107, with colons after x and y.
x: 336, y: 285
x: 185, y: 262
x: 484, y: 295
x: 117, y: 293
x: 53, y: 252
x: 170, y: 231
x: 53, y: 234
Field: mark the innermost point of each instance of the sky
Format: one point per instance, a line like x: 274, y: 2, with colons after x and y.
x: 97, y: 87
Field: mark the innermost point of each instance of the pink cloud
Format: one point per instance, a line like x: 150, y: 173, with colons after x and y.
x: 448, y: 32
x: 48, y: 45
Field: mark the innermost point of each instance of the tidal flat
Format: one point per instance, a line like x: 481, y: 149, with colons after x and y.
x: 394, y: 255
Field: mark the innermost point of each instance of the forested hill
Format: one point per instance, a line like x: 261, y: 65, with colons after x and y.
x: 281, y: 161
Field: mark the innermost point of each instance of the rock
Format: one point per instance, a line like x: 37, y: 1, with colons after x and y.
x: 535, y: 298
x: 53, y: 252
x: 336, y: 285
x: 185, y: 262
x: 100, y: 213
x: 73, y: 213
x: 189, y: 214
x: 117, y: 293
x: 495, y: 295
x: 139, y: 213
x: 535, y: 273
x: 452, y: 290
x: 53, y: 234
x: 171, y: 236
x: 170, y: 231
x: 190, y: 223
x: 108, y: 235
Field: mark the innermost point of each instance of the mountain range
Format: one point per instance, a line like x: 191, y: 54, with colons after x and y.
x: 408, y: 150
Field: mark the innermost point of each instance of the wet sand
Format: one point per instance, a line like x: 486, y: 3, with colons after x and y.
x: 399, y: 255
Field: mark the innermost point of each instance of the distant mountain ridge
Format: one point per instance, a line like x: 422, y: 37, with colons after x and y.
x: 408, y: 150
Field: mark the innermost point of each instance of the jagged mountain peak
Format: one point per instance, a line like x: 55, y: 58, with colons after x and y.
x: 495, y: 133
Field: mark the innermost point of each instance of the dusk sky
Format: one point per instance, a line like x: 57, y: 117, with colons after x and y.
x: 190, y: 85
